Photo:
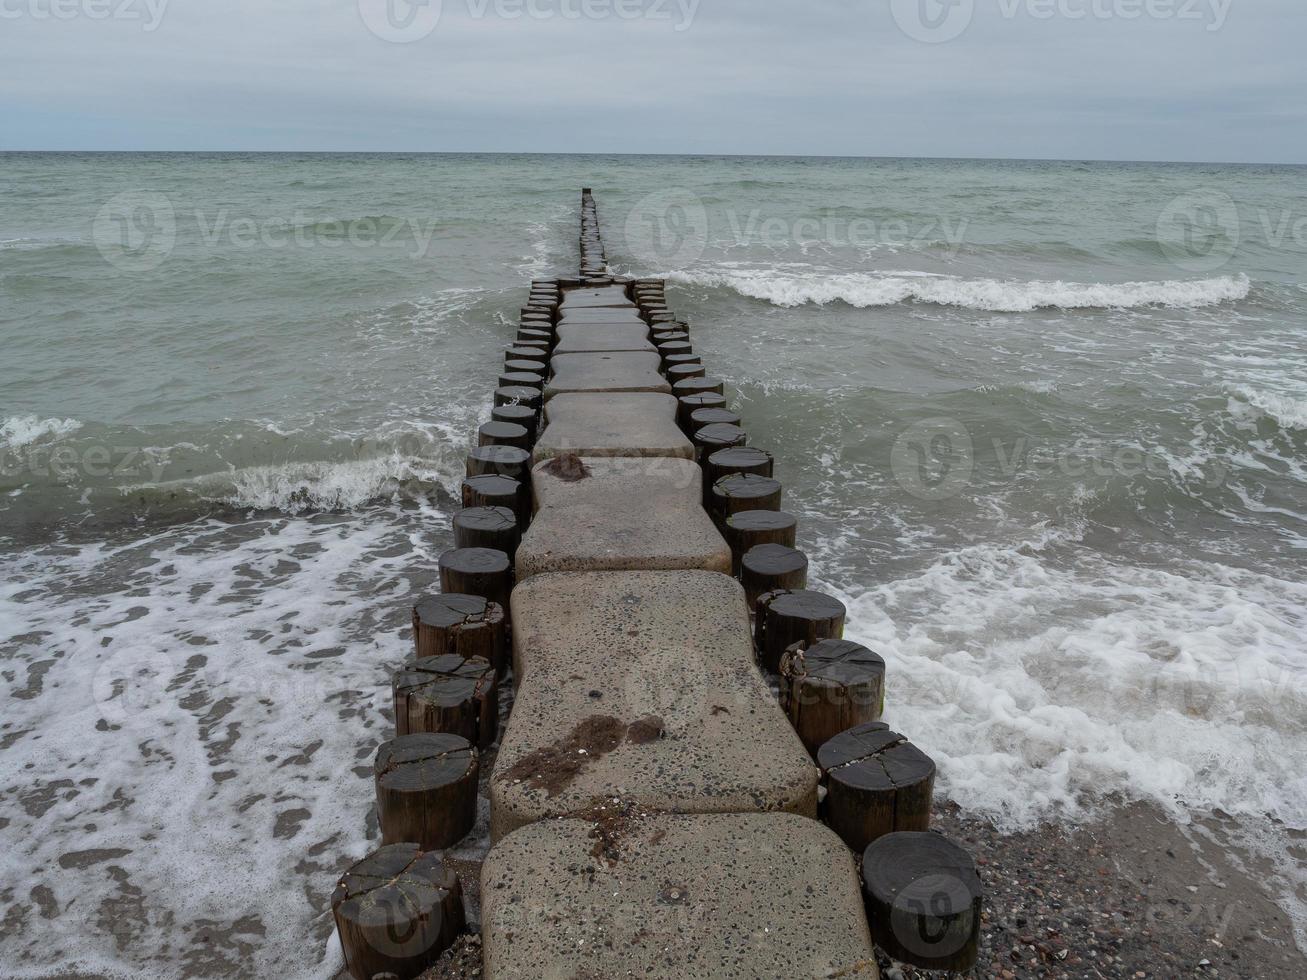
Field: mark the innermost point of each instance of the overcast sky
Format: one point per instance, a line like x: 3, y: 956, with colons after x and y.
x: 1217, y: 80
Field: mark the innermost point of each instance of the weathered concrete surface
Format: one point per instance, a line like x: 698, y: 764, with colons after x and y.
x: 662, y: 896
x: 642, y: 685
x: 620, y: 371
x: 576, y: 338
x: 626, y: 514
x: 602, y: 296
x: 606, y: 314
x: 624, y: 424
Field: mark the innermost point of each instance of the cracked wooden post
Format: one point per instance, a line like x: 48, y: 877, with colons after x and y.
x: 396, y: 911
x: 689, y: 404
x: 497, y: 491
x: 713, y: 415
x: 482, y: 572
x: 468, y: 626
x: 747, y: 529
x: 495, y: 528
x: 924, y: 900
x: 786, y: 618
x: 877, y: 783
x: 447, y: 694
x: 772, y: 568
x: 744, y: 491
x: 426, y: 790
x: 829, y: 687
x: 713, y: 438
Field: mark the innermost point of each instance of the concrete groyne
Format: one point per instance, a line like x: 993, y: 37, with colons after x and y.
x: 685, y: 710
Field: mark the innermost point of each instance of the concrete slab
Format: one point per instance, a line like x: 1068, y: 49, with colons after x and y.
x: 618, y: 371
x: 607, y: 314
x: 624, y: 514
x: 601, y: 296
x: 627, y: 424
x: 576, y: 338
x: 643, y: 686
x: 670, y: 897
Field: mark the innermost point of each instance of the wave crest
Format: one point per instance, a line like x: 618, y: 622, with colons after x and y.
x: 994, y: 295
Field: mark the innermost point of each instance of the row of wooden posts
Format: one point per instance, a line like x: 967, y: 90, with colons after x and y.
x: 400, y: 907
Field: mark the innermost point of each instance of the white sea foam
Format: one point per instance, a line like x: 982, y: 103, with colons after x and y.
x: 24, y: 430
x: 193, y: 706
x: 867, y: 289
x: 1044, y: 686
x: 1287, y: 410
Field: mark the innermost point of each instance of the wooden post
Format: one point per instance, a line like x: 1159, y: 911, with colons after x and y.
x: 737, y: 459
x: 666, y: 348
x: 526, y: 379
x: 924, y: 900
x: 518, y: 395
x: 701, y: 417
x: 697, y: 386
x: 497, y: 491
x: 714, y: 438
x: 829, y: 687
x: 504, y: 434
x: 447, y: 694
x: 689, y: 404
x: 747, y: 529
x: 522, y: 415
x: 526, y: 367
x: 534, y: 353
x: 772, y: 568
x: 786, y: 618
x: 396, y: 911
x: 426, y: 790
x: 487, y: 527
x: 663, y: 336
x: 468, y: 626
x: 877, y: 782
x: 744, y: 491
x: 685, y: 372
x: 532, y: 337
x: 672, y: 360
x: 510, y: 461
x: 482, y: 572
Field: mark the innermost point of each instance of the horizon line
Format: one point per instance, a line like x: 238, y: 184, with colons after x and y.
x: 606, y: 153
